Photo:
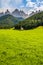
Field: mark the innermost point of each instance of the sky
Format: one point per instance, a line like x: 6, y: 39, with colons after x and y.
x: 25, y: 5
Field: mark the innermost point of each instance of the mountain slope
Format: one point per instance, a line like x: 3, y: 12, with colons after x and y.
x: 7, y: 21
x: 32, y: 22
x: 17, y: 13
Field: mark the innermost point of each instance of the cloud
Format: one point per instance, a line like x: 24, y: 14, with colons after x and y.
x: 26, y: 5
x: 30, y: 4
x: 10, y: 4
x: 34, y: 5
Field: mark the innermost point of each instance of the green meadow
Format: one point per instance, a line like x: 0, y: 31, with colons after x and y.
x: 19, y: 47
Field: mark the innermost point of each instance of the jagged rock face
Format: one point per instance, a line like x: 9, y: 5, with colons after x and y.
x: 15, y: 13
x: 32, y: 13
x: 1, y: 14
x: 7, y: 12
x: 18, y: 13
x: 22, y: 13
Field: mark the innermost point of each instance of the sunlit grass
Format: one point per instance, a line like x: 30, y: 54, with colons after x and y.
x: 21, y: 47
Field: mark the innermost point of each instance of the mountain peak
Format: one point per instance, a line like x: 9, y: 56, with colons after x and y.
x: 20, y: 13
x: 15, y: 13
x: 1, y: 14
x: 7, y: 12
x: 16, y: 10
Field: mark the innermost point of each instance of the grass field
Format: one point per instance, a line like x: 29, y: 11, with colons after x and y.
x: 21, y: 47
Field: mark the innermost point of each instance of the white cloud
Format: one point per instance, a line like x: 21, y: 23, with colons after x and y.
x: 9, y: 4
x: 30, y: 6
x: 4, y: 5
x: 40, y: 8
x: 30, y: 3
x: 38, y: 5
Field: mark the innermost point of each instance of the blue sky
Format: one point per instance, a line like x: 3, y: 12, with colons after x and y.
x: 26, y: 5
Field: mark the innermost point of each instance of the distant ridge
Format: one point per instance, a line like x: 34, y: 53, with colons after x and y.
x: 8, y: 21
x: 20, y: 13
x: 31, y: 22
x: 15, y: 13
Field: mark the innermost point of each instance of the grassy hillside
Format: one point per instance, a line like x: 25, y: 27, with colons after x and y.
x: 21, y: 47
x: 32, y: 22
x: 7, y: 21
